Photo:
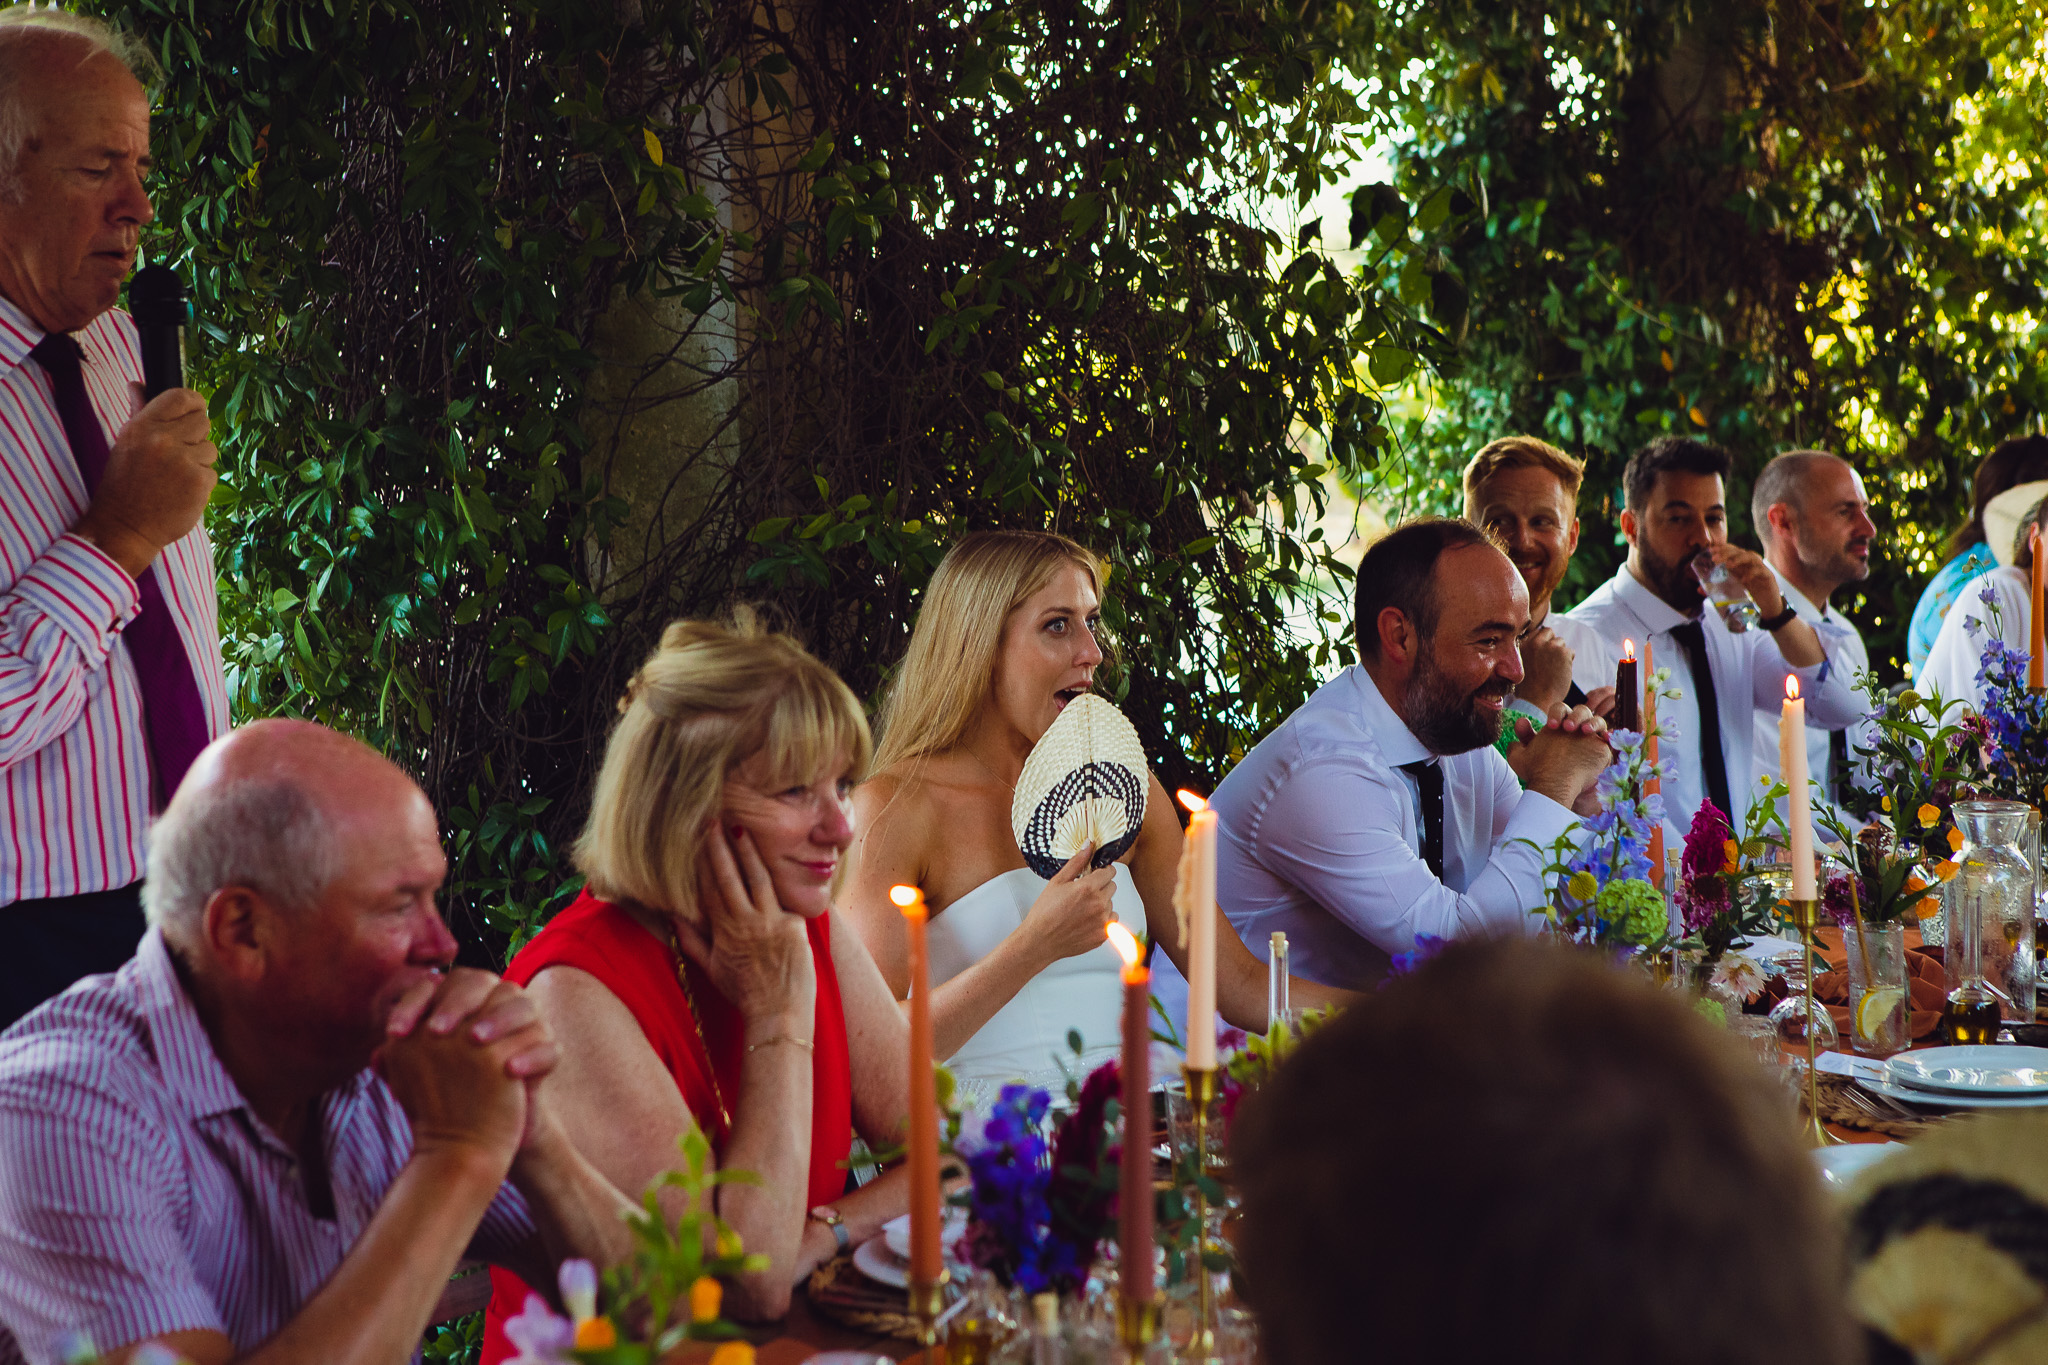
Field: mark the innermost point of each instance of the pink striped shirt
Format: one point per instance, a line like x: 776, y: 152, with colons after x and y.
x: 140, y: 1195
x: 74, y: 761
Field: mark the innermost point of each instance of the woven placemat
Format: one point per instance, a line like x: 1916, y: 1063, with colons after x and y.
x: 841, y: 1293
x: 1835, y: 1107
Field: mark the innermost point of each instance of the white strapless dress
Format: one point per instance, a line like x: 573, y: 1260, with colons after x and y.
x: 1026, y: 1040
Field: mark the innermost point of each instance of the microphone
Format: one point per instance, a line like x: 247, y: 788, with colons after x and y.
x: 156, y: 300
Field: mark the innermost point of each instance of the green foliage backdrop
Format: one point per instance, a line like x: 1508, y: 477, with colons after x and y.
x: 1778, y: 227
x: 531, y: 325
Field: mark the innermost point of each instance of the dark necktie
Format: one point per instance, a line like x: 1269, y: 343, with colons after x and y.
x: 1429, y: 775
x: 1694, y: 642
x: 173, y: 713
x: 1573, y: 696
x: 1838, y: 764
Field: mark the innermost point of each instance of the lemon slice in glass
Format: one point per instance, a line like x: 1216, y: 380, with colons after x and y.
x: 1876, y: 1007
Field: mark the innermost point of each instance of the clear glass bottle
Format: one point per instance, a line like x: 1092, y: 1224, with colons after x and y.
x: 1988, y: 907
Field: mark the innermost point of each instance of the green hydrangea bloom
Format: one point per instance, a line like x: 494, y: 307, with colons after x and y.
x: 1634, y: 911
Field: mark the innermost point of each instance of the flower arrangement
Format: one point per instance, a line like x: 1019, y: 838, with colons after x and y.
x: 1921, y: 763
x: 1725, y: 891
x: 1602, y: 892
x: 669, y: 1266
x: 2012, y: 725
x: 1037, y: 1210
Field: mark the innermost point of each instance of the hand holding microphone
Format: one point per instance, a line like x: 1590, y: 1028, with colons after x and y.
x: 159, y: 472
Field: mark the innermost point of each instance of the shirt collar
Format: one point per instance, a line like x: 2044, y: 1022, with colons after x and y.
x: 1653, y: 611
x: 19, y: 334
x: 1798, y: 600
x: 199, y: 1084
x: 1398, y: 744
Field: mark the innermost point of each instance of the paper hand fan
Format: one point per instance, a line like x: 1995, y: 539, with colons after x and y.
x: 1086, y: 779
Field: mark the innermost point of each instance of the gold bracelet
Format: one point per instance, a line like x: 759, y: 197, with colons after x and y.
x: 773, y: 1039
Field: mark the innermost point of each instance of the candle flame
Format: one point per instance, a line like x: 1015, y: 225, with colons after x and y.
x: 1121, y: 939
x: 1628, y: 651
x: 905, y: 896
x: 1791, y: 687
x: 1190, y: 800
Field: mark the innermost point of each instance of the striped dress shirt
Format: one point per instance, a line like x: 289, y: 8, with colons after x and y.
x: 140, y: 1195
x: 74, y: 759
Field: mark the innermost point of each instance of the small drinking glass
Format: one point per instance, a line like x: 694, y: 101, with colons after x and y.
x: 1727, y: 594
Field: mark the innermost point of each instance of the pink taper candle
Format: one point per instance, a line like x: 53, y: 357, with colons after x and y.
x: 1799, y: 814
x: 925, y: 1260
x: 1134, y: 1188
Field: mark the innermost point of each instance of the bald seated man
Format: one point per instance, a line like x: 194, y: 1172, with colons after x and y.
x: 273, y: 1133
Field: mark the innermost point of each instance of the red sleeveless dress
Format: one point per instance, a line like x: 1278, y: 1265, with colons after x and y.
x: 600, y: 938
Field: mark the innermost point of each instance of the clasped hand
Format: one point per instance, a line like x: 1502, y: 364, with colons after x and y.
x: 1563, y: 759
x: 464, y: 1054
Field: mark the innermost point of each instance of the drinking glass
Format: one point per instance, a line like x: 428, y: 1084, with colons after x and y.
x: 1989, y: 906
x: 1727, y: 594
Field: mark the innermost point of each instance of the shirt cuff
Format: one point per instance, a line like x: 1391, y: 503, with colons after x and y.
x: 1538, y: 819
x: 1528, y: 708
x: 80, y: 588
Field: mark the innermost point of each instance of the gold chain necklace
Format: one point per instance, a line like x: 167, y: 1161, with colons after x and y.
x: 697, y: 1021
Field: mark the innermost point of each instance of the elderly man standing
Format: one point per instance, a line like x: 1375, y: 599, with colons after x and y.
x: 1814, y: 522
x: 110, y: 672
x: 196, y: 1150
x: 1380, y: 811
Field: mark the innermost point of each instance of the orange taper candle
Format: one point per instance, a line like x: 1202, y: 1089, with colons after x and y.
x: 1134, y: 1188
x: 924, y: 1101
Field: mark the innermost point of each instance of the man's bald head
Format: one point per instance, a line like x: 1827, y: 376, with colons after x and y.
x: 277, y: 806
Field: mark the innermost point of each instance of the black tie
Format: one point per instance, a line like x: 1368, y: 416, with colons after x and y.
x: 1429, y: 775
x: 1573, y: 696
x: 1838, y: 764
x: 1694, y: 643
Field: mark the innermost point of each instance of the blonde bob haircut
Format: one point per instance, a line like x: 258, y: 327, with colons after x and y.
x: 707, y: 700
x: 950, y: 668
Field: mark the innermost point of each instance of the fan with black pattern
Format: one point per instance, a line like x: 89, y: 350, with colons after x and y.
x: 1086, y: 779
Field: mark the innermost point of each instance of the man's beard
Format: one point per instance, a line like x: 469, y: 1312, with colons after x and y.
x: 1545, y: 580
x: 1675, y: 584
x: 1445, y: 722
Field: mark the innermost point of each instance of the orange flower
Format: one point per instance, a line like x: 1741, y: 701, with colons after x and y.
x: 733, y: 1353
x: 1930, y: 816
x: 705, y: 1297
x: 1914, y: 883
x: 1946, y: 870
x: 596, y: 1334
x: 1928, y: 908
x: 1731, y: 856
x: 1955, y: 841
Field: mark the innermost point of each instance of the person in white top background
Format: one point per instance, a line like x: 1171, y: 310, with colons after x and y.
x: 1951, y: 668
x: 110, y: 670
x: 1005, y: 637
x: 1676, y: 517
x: 1380, y: 811
x: 1525, y: 493
x: 1813, y: 520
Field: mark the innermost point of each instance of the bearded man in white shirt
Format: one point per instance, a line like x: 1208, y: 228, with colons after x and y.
x: 1525, y: 493
x: 1677, y: 517
x: 1814, y: 523
x: 1380, y: 813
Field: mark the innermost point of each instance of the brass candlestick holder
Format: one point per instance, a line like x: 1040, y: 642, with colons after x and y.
x: 1805, y: 917
x: 1137, y: 1323
x: 1201, y: 1084
x: 927, y: 1301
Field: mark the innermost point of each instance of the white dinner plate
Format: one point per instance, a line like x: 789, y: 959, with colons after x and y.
x: 873, y: 1259
x: 1951, y: 1099
x: 952, y: 1224
x: 1996, y: 1069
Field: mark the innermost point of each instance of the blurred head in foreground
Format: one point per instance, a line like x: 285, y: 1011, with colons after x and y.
x: 1521, y: 1153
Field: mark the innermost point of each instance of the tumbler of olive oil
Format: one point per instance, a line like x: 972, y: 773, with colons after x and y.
x: 1970, y: 1017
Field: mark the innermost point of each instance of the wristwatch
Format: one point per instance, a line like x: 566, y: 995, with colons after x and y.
x: 1780, y: 621
x: 829, y: 1216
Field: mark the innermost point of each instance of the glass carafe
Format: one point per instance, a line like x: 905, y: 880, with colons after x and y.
x: 1988, y: 909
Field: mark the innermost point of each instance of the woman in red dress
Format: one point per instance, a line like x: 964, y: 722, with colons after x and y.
x: 702, y: 980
